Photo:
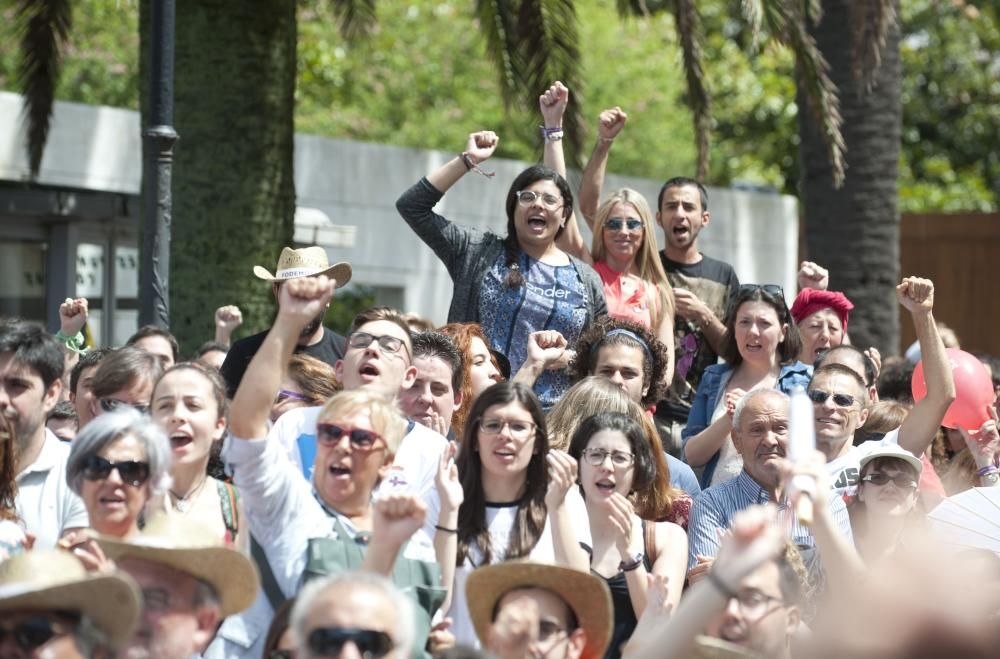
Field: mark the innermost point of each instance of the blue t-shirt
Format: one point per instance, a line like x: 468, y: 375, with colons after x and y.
x: 552, y: 298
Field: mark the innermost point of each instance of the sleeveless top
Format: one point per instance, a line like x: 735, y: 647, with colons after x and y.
x: 624, y: 615
x: 636, y: 307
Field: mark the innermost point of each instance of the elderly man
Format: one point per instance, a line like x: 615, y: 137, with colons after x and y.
x: 354, y: 614
x: 524, y: 610
x: 189, y: 580
x: 315, y: 340
x: 437, y: 390
x: 51, y: 607
x: 31, y: 368
x: 760, y: 435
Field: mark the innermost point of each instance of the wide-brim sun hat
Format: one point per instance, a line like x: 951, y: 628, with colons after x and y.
x: 891, y: 451
x: 54, y: 580
x: 193, y: 549
x: 305, y: 262
x: 585, y: 594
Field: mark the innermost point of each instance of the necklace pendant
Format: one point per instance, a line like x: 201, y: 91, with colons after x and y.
x: 181, y: 505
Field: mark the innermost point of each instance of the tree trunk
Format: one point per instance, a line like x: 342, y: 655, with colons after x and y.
x: 233, y: 186
x: 854, y: 231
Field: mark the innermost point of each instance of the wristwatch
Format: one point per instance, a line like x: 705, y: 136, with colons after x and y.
x: 633, y: 564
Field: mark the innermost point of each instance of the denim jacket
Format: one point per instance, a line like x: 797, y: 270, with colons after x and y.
x: 713, y: 385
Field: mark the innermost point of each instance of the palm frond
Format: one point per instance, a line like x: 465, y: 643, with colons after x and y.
x: 355, y: 18
x: 870, y: 25
x: 753, y: 12
x: 496, y: 20
x: 689, y: 31
x: 628, y: 8
x: 814, y: 10
x: 547, y: 34
x: 786, y: 22
x: 42, y: 27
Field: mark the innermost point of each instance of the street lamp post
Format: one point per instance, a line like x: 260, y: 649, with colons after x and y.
x: 158, y: 151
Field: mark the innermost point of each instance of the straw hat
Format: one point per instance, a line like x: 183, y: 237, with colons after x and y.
x: 53, y: 580
x: 305, y: 262
x: 585, y: 594
x: 892, y: 451
x: 194, y: 549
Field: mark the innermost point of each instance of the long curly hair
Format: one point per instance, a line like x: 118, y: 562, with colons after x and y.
x: 462, y: 334
x: 647, y: 262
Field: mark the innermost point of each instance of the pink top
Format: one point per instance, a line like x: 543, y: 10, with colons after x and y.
x: 635, y: 308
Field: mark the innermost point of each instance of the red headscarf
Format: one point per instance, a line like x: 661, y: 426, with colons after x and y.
x: 811, y: 300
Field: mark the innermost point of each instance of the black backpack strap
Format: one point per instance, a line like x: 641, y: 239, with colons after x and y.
x: 267, y: 580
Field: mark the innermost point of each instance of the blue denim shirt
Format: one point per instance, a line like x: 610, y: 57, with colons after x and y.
x: 712, y: 386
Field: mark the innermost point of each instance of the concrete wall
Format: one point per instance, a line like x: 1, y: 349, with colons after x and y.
x: 356, y: 185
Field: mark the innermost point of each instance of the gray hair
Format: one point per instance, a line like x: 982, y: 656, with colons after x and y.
x: 107, y: 428
x: 752, y: 394
x: 402, y: 628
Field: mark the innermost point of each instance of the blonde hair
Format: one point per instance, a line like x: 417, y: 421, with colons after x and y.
x: 593, y: 395
x: 386, y: 418
x: 647, y: 261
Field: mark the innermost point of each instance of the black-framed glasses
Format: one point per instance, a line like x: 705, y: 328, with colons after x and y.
x: 386, y: 343
x: 285, y: 394
x: 329, y: 641
x: 112, y: 404
x: 548, y: 200
x: 902, y: 481
x: 361, y: 439
x: 33, y: 632
x: 133, y: 472
x: 771, y: 289
x: 819, y: 397
x: 518, y: 429
x: 617, y: 223
x: 596, y: 457
x: 754, y: 604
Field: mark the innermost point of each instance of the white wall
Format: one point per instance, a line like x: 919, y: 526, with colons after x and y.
x: 356, y: 184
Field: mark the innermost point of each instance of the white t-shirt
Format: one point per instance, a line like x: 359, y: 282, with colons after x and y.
x: 45, y: 503
x: 845, y: 471
x: 499, y: 522
x: 414, y: 466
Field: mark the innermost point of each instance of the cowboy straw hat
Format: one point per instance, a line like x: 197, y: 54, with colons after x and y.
x: 196, y: 550
x: 585, y: 594
x: 54, y: 580
x: 305, y: 262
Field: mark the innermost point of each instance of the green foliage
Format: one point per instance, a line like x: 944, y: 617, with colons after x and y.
x: 346, y: 304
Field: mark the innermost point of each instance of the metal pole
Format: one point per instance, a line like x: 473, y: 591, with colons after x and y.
x: 158, y: 140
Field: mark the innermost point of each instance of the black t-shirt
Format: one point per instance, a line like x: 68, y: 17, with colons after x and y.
x: 714, y: 283
x: 329, y: 349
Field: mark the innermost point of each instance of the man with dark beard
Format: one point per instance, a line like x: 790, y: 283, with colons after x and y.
x: 31, y: 366
x: 315, y: 340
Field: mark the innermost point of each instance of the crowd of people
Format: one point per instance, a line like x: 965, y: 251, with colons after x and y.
x: 607, y: 451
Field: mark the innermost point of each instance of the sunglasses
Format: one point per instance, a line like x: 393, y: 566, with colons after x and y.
x: 770, y: 289
x: 361, y: 439
x: 616, y: 224
x: 329, y: 641
x: 285, y: 394
x: 819, y: 397
x: 132, y: 472
x: 32, y: 633
x: 112, y: 404
x: 902, y: 481
x: 281, y: 654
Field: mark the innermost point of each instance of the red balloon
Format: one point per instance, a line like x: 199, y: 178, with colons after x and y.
x: 973, y: 390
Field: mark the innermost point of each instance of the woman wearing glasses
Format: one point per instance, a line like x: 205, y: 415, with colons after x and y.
x: 125, y: 379
x: 516, y: 284
x: 308, y: 382
x: 616, y: 461
x: 760, y: 350
x: 623, y: 249
x: 514, y: 489
x: 189, y: 404
x: 116, y: 465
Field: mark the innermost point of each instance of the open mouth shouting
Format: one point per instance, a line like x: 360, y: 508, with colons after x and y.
x: 180, y: 439
x: 605, y: 486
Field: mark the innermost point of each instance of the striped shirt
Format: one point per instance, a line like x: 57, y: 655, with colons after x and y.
x: 714, y: 509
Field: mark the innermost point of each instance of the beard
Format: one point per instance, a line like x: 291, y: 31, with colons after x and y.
x: 313, y: 325
x: 24, y: 430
